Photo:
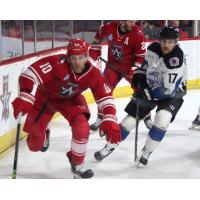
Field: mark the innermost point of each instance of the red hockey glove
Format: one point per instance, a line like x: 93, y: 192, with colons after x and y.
x: 23, y: 103
x: 110, y: 127
x: 95, y: 52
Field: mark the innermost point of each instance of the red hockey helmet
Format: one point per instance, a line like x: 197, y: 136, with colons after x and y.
x: 77, y: 47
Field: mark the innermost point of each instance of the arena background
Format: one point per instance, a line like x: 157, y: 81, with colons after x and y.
x: 24, y: 42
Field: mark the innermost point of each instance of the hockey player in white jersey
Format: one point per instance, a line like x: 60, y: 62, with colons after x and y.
x: 160, y: 83
x: 196, y: 123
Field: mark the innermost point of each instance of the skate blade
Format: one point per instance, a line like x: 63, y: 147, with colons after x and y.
x: 93, y: 131
x: 194, y: 128
x: 77, y: 176
x: 140, y: 165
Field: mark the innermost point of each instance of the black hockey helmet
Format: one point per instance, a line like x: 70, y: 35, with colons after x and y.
x: 169, y: 32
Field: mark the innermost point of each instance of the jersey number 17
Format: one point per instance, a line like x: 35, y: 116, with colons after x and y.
x: 172, y: 77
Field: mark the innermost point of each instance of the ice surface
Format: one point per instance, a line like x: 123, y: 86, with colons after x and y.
x: 178, y: 156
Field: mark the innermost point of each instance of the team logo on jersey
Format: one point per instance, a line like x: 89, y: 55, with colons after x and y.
x: 116, y: 51
x: 5, y: 97
x: 62, y: 59
x: 154, y: 79
x: 174, y: 61
x: 110, y: 37
x: 69, y: 90
x: 126, y: 40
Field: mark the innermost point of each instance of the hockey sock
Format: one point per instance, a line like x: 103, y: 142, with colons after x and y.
x: 154, y: 138
x: 124, y: 132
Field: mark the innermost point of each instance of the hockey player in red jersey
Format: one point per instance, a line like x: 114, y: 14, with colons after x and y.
x: 60, y: 80
x: 126, y: 50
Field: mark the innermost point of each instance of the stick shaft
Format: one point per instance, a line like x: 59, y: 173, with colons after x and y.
x: 111, y: 66
x: 14, y: 174
x: 136, y: 128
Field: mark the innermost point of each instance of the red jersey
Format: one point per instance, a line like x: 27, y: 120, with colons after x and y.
x: 124, y: 51
x: 57, y: 81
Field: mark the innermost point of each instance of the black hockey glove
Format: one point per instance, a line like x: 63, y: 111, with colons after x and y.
x: 139, y: 82
x: 139, y: 78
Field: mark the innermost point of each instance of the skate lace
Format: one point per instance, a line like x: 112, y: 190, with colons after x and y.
x: 106, y: 150
x: 146, y: 154
x: 81, y: 168
x: 97, y: 122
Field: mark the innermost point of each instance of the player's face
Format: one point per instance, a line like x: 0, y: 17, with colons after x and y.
x: 128, y: 24
x: 167, y: 45
x: 78, y: 62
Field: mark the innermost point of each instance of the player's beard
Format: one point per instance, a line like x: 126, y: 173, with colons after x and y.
x: 128, y: 28
x: 166, y: 50
x: 125, y: 27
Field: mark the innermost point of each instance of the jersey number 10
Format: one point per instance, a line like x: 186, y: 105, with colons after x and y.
x: 46, y: 68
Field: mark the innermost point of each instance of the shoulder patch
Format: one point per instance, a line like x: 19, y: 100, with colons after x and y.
x: 174, y: 59
x: 60, y: 58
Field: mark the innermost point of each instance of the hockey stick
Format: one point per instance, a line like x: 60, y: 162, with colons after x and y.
x: 111, y: 66
x: 137, y: 109
x: 14, y: 173
x: 136, y: 128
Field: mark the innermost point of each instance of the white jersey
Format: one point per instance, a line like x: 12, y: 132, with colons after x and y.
x: 166, y: 74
